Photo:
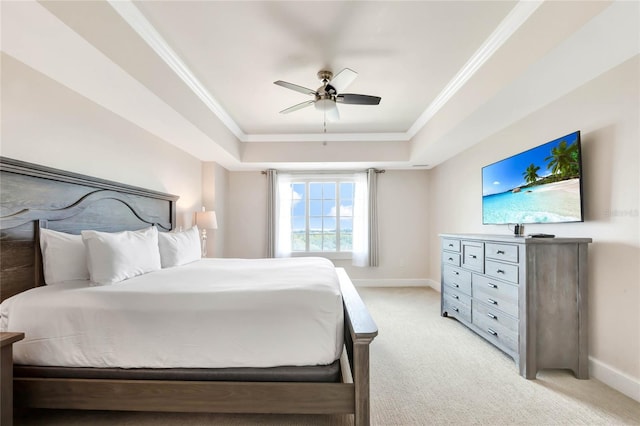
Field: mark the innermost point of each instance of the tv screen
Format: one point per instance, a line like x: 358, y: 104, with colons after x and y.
x: 541, y: 185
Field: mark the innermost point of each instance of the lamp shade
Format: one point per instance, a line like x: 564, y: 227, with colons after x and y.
x: 206, y: 220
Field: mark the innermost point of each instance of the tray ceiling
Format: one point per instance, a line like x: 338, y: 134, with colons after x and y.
x: 208, y: 68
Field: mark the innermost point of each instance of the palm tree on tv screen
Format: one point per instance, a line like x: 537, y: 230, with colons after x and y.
x: 563, y: 160
x: 531, y: 174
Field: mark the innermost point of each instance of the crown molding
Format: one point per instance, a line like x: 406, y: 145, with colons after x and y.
x: 518, y: 16
x: 136, y: 20
x: 330, y: 137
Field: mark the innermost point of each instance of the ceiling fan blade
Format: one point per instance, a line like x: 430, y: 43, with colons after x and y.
x: 332, y: 114
x: 350, y: 98
x: 343, y: 79
x: 297, y: 107
x: 295, y: 87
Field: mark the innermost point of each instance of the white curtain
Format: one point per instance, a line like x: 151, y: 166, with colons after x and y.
x: 272, y: 211
x: 283, y: 225
x: 278, y: 214
x: 360, y: 251
x: 365, y: 219
x: 372, y: 199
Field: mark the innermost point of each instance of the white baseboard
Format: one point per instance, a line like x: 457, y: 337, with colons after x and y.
x: 392, y: 282
x: 397, y: 282
x: 434, y: 285
x: 614, y: 378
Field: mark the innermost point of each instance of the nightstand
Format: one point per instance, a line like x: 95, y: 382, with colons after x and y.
x: 6, y: 371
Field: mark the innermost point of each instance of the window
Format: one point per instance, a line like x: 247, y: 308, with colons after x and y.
x: 322, y: 215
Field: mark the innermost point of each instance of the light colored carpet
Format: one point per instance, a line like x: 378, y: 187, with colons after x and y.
x: 425, y: 370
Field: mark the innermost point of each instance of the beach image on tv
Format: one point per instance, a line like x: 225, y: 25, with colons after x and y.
x: 541, y: 185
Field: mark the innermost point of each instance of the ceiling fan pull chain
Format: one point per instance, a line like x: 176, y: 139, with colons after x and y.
x: 324, y: 140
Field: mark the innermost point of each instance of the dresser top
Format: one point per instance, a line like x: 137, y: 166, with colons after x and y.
x: 518, y: 240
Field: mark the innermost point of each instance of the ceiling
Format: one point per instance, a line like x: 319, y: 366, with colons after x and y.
x: 238, y: 49
x: 199, y: 74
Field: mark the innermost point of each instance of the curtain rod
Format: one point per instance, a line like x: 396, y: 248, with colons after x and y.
x: 323, y: 172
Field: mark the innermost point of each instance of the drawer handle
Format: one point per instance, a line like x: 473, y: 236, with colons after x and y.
x: 500, y: 252
x: 455, y: 296
x: 490, y: 315
x: 493, y: 302
x: 455, y: 309
x: 456, y: 272
x: 492, y: 332
x: 456, y: 285
x: 450, y: 245
x: 492, y: 285
x: 473, y: 256
x: 451, y: 259
x: 500, y: 271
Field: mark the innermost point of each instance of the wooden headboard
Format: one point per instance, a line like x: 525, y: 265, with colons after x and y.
x: 34, y: 196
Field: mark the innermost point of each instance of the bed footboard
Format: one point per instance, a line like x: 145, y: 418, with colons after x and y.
x: 359, y: 332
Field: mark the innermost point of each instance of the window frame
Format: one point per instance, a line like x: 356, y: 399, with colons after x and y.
x: 337, y: 180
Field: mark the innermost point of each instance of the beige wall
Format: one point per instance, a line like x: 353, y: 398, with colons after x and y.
x: 246, y: 215
x: 214, y: 197
x: 43, y: 122
x: 402, y: 231
x: 402, y: 210
x: 607, y: 112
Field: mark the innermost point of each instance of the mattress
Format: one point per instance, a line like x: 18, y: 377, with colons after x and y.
x: 212, y: 313
x: 315, y: 373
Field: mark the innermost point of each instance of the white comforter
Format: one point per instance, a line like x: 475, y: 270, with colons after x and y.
x: 212, y: 313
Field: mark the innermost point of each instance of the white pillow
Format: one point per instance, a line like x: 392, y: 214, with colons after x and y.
x: 114, y: 257
x: 178, y: 248
x: 63, y: 257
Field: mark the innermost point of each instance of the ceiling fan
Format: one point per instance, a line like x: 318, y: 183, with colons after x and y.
x: 330, y: 93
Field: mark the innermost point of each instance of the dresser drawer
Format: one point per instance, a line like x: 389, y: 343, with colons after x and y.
x: 496, y: 332
x: 455, y: 295
x: 495, y: 316
x: 473, y: 256
x: 503, y: 271
x: 457, y: 278
x: 457, y: 310
x: 451, y: 258
x: 489, y: 291
x: 451, y: 245
x: 506, y: 252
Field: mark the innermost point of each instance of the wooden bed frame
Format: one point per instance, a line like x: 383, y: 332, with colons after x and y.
x: 34, y: 196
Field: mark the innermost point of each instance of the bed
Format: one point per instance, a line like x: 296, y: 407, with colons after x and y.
x: 35, y: 197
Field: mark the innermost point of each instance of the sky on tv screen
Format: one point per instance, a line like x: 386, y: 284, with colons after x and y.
x: 508, y: 173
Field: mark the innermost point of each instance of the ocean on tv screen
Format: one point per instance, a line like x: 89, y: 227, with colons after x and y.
x: 548, y: 203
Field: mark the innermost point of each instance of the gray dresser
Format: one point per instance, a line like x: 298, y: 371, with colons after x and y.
x: 526, y: 296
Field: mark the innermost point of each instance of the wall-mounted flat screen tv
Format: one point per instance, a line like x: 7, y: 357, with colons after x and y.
x: 541, y: 185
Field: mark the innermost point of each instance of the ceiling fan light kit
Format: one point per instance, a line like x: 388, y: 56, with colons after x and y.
x: 324, y: 104
x: 329, y: 93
